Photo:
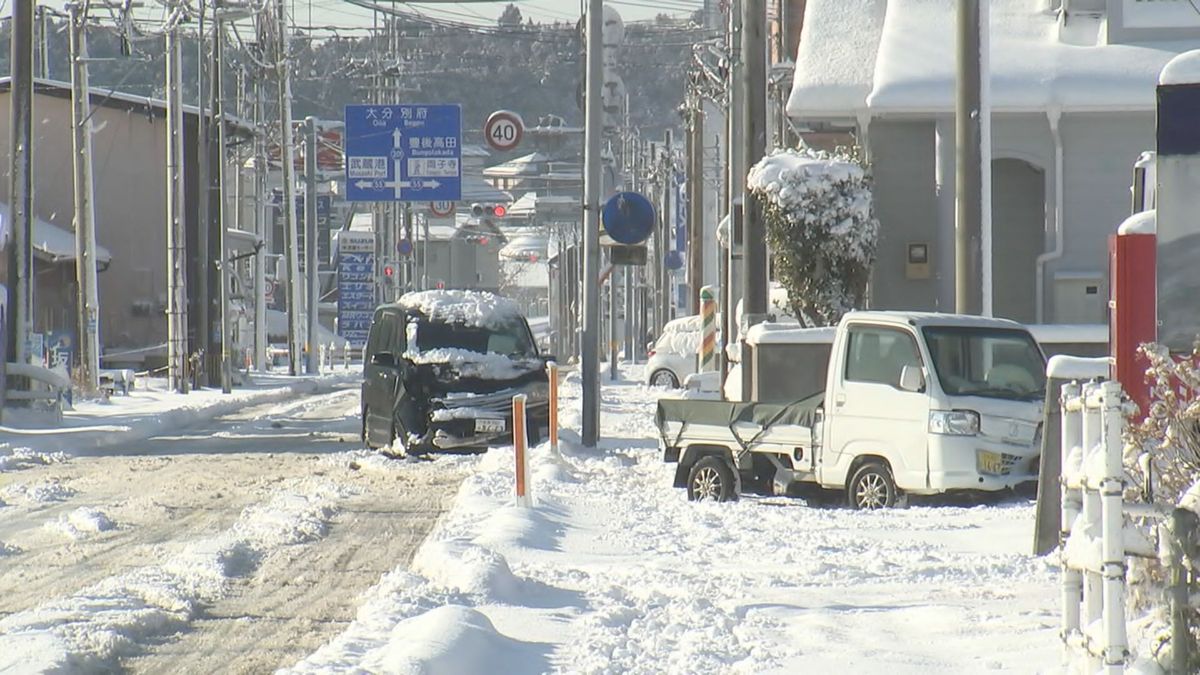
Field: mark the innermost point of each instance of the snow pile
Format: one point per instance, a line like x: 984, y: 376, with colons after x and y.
x: 613, y: 571
x: 467, y: 363
x: 82, y: 522
x: 15, y: 459
x: 473, y: 308
x: 89, y: 630
x: 820, y: 227
x: 49, y: 491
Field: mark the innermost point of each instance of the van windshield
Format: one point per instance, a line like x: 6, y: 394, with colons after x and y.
x: 510, y: 338
x: 990, y: 362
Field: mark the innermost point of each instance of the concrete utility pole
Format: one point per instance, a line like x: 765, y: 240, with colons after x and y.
x: 20, y: 187
x: 85, y: 217
x: 735, y: 181
x: 287, y: 148
x: 217, y: 78
x: 968, y: 244
x: 177, y: 329
x: 203, y: 255
x: 668, y: 221
x: 313, y: 365
x: 262, y: 229
x: 754, y: 142
x: 695, y: 187
x: 593, y: 164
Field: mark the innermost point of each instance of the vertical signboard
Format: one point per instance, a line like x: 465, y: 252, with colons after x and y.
x: 356, y: 285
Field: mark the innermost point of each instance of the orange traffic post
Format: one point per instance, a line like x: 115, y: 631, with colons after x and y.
x: 552, y: 375
x: 519, y: 442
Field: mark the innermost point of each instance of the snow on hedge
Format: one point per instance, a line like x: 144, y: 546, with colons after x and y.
x: 473, y: 308
x: 821, y: 228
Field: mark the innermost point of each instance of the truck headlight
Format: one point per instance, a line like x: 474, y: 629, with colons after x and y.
x: 954, y: 422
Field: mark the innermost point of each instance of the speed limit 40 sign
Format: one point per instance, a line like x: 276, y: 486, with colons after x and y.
x: 503, y: 130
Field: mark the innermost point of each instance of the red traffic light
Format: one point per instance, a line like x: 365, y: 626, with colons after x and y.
x: 483, y: 241
x: 499, y: 211
x: 388, y: 271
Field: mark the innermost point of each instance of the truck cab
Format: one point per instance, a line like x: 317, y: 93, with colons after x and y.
x: 916, y: 403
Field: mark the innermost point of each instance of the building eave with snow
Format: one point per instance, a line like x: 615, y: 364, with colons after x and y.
x: 1072, y: 98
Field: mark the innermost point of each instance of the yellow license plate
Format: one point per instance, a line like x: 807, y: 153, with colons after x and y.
x: 990, y: 462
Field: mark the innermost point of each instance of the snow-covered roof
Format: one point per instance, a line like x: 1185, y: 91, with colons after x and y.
x: 473, y: 308
x: 520, y: 166
x: 475, y: 189
x: 836, y: 60
x: 50, y: 242
x: 908, y: 64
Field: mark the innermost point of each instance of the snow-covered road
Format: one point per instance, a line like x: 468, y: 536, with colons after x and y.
x: 236, y: 545
x: 615, y: 572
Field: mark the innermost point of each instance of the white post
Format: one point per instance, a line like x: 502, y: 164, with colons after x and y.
x: 1092, y: 598
x: 1072, y: 581
x: 1112, y: 510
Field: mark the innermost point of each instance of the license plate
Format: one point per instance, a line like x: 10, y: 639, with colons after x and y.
x: 489, y: 426
x: 990, y: 463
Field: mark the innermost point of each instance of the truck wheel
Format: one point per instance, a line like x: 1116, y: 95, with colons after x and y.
x: 711, y: 479
x: 872, y: 487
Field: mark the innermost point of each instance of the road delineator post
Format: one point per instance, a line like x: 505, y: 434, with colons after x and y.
x: 520, y: 441
x: 552, y: 376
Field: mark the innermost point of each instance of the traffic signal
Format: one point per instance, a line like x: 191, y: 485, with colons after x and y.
x: 479, y: 210
x: 389, y: 270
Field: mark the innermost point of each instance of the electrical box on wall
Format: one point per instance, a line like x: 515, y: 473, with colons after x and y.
x: 916, y: 263
x: 1080, y: 297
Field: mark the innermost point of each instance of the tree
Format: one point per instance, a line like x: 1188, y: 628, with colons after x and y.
x: 510, y: 17
x: 820, y: 227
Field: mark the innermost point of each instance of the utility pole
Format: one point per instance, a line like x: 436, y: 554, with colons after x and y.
x: 668, y: 186
x: 313, y: 365
x: 20, y: 186
x: 593, y: 163
x: 735, y: 184
x: 203, y: 247
x: 217, y: 79
x: 177, y: 347
x: 968, y: 253
x: 42, y: 41
x: 262, y: 229
x: 695, y: 190
x: 754, y: 142
x: 287, y: 148
x: 85, y: 234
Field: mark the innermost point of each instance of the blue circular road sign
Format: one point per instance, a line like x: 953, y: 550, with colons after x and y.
x: 404, y: 247
x: 673, y: 260
x: 628, y: 218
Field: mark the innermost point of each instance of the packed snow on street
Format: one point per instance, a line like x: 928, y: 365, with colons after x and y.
x: 263, y: 540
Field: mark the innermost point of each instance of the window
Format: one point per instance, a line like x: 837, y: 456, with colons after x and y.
x: 989, y: 362
x: 878, y: 355
x: 383, y: 334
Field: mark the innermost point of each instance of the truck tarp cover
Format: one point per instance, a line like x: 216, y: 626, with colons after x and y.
x: 727, y: 414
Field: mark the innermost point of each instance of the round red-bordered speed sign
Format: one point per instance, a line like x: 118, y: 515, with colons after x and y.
x: 503, y: 130
x: 441, y: 209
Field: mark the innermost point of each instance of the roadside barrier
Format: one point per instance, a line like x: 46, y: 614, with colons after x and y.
x: 552, y: 376
x: 520, y: 439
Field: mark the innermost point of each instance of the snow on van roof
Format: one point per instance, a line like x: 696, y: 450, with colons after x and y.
x: 1183, y: 69
x: 473, y: 308
x: 1036, y: 63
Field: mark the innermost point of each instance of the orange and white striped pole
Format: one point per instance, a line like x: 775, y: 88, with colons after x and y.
x: 708, y: 329
x: 520, y: 439
x: 552, y: 375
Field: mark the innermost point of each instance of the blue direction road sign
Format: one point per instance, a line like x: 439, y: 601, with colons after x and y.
x: 403, y: 153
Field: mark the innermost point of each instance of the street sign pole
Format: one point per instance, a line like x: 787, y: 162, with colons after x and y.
x: 591, y: 234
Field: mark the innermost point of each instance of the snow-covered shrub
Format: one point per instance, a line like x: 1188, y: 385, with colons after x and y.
x: 1170, y: 434
x: 821, y: 229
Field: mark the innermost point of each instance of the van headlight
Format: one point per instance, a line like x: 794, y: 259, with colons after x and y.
x: 954, y: 422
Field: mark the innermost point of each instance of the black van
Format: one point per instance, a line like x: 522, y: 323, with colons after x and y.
x: 441, y: 368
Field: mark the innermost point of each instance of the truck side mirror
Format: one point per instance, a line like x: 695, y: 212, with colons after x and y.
x: 912, y: 378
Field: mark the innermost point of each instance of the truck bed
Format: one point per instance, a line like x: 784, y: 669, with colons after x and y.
x: 740, y: 426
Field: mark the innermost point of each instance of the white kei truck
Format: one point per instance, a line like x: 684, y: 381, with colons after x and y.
x: 913, y: 403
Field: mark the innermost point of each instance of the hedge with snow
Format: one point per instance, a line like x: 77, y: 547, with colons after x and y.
x: 821, y: 229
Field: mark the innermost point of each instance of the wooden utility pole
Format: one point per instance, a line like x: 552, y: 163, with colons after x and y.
x: 968, y: 238
x: 313, y: 362
x: 85, y: 233
x: 217, y: 197
x: 286, y: 155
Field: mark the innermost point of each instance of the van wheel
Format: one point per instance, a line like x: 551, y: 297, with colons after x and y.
x: 872, y: 487
x: 711, y: 479
x: 366, y: 432
x: 664, y: 378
